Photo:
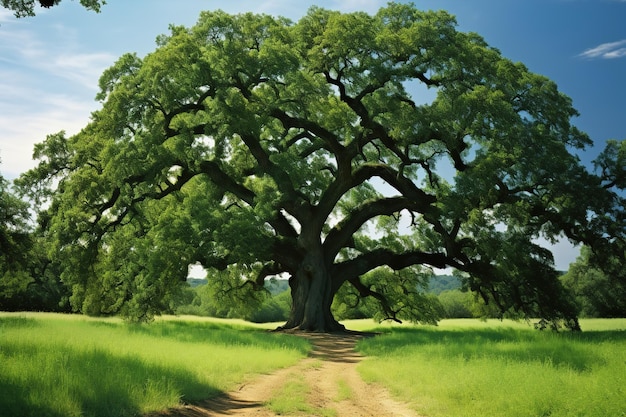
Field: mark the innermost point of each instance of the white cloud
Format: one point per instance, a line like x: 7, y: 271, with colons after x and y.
x: 84, y: 68
x: 48, y: 84
x: 25, y: 49
x: 29, y: 119
x: 609, y: 50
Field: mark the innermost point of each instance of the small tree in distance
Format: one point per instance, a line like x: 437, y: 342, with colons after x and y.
x: 259, y: 147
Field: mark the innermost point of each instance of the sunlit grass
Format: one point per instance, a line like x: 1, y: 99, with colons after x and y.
x: 595, y: 325
x: 56, y: 365
x: 66, y: 365
x: 474, y: 368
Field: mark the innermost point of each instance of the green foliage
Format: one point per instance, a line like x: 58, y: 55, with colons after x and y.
x: 26, y: 278
x: 15, y: 239
x: 502, y: 369
x: 457, y: 304
x: 37, y: 286
x: 273, y: 309
x: 70, y: 366
x: 256, y: 146
x: 612, y: 164
x: 29, y: 279
x: 405, y: 296
x: 348, y: 305
x: 597, y: 293
x: 440, y: 283
x: 204, y: 301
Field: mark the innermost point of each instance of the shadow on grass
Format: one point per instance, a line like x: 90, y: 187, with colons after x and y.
x: 14, y: 402
x: 94, y: 383
x: 574, y: 350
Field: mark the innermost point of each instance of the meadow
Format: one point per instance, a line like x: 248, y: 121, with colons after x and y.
x: 467, y: 368
x: 66, y: 365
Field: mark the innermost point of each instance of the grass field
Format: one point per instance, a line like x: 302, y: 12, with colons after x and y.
x: 55, y: 365
x: 466, y: 368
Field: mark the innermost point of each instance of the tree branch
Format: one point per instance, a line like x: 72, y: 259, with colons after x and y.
x: 366, y: 291
x: 348, y: 270
x: 331, y: 140
x: 343, y: 232
x: 405, y: 186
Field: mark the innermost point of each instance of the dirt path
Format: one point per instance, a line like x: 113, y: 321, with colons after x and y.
x: 334, y: 387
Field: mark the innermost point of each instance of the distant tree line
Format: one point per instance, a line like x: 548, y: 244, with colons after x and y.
x: 591, y: 289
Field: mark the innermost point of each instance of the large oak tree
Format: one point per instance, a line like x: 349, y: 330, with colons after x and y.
x: 342, y: 150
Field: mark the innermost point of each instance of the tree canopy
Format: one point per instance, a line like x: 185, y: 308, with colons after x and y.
x: 23, y: 8
x: 345, y: 150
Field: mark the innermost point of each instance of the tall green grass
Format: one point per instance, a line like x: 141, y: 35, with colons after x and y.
x: 55, y: 365
x: 472, y: 368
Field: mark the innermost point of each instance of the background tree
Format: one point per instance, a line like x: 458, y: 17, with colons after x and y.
x: 597, y: 278
x: 257, y: 147
x: 29, y: 280
x: 599, y: 292
x: 23, y: 8
x: 15, y: 242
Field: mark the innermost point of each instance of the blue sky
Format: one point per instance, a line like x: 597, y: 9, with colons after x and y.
x: 50, y: 64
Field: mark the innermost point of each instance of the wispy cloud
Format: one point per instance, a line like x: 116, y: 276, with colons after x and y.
x: 84, y: 68
x: 67, y: 61
x: 28, y: 115
x: 48, y: 81
x: 609, y: 50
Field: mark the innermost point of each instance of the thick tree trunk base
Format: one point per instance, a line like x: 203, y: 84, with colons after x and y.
x: 326, y: 327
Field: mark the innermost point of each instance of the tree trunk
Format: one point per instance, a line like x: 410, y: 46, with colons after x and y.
x: 312, y: 294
